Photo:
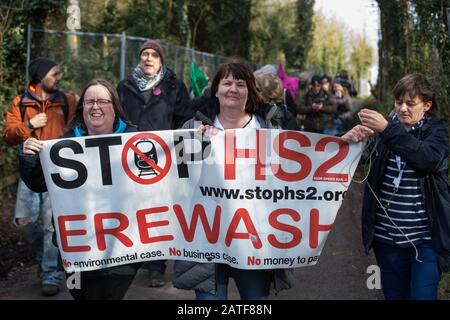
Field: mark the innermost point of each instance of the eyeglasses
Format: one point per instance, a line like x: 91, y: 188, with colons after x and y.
x: 100, y: 102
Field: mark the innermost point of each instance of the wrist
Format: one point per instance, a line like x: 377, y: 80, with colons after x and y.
x: 30, y: 125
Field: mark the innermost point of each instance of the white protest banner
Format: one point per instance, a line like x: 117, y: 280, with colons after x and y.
x: 254, y: 199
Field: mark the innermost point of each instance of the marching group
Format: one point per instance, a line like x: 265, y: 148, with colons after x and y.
x: 406, y: 208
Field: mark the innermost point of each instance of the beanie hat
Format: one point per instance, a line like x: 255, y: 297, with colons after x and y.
x: 316, y: 79
x: 155, y: 45
x: 38, y: 68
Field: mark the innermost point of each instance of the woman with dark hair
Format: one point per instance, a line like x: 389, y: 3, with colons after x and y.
x: 234, y: 103
x: 406, y: 207
x: 98, y: 112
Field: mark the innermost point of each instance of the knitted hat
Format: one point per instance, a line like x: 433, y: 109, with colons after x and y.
x: 155, y: 45
x: 316, y: 79
x: 38, y: 68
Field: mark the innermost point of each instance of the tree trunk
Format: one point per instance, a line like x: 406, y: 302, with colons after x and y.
x: 392, y: 48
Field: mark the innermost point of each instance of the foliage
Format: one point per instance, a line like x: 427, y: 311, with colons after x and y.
x: 328, y: 51
x: 361, y: 57
x: 298, y: 41
x: 416, y: 40
x: 281, y: 30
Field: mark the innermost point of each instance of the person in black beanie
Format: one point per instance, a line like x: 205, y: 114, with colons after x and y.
x: 41, y: 112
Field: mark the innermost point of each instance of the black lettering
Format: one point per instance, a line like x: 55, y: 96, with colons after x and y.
x: 68, y: 163
x: 103, y: 149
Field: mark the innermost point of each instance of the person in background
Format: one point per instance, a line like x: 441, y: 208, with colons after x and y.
x: 154, y: 99
x: 234, y: 103
x: 42, y: 112
x: 271, y: 92
x: 288, y: 99
x: 98, y: 112
x: 406, y: 204
x: 318, y: 108
x: 326, y: 83
x: 343, y: 101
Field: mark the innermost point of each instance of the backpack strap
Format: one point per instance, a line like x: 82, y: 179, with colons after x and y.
x: 65, y: 107
x: 21, y: 106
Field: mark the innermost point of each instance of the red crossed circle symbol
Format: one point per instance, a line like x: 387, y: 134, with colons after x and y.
x: 129, y: 145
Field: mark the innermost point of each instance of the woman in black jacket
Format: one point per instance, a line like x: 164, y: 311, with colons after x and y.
x: 98, y: 112
x: 406, y: 208
x: 234, y: 103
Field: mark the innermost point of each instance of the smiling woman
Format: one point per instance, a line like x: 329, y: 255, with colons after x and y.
x: 98, y: 112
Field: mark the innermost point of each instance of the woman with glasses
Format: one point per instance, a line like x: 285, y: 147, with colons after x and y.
x: 98, y: 112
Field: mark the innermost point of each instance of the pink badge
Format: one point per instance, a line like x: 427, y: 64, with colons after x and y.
x: 157, y: 91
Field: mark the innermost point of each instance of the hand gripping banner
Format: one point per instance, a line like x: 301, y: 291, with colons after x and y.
x: 254, y: 199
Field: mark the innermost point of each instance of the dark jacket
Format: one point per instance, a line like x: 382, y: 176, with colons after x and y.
x: 168, y: 107
x: 427, y: 151
x: 269, y: 116
x: 318, y: 120
x: 202, y: 276
x: 33, y: 176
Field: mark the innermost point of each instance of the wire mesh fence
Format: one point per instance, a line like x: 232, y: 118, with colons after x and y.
x: 84, y: 56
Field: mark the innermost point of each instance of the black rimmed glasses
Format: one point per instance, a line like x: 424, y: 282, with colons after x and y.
x: 100, y: 102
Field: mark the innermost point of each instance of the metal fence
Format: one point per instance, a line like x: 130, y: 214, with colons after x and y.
x: 84, y: 56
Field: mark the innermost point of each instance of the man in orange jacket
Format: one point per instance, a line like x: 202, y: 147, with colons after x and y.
x: 42, y: 112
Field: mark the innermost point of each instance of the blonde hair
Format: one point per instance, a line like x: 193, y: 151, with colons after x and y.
x: 269, y: 86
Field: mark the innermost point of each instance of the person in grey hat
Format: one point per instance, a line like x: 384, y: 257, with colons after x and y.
x: 153, y: 98
x: 41, y: 112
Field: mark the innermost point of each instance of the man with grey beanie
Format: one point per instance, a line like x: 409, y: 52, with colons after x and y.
x: 154, y: 99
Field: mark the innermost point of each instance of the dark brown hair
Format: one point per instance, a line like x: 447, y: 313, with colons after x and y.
x: 240, y: 69
x: 416, y: 85
x: 78, y: 119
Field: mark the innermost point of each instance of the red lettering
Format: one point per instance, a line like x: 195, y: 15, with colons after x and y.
x: 252, y: 234
x: 296, y: 233
x: 302, y: 159
x: 143, y: 225
x: 212, y: 234
x: 100, y: 231
x: 322, y: 173
x: 64, y: 233
x: 231, y: 154
x: 315, y: 227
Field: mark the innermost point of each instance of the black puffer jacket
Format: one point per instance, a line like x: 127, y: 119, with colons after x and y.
x: 168, y: 107
x: 427, y: 151
x: 202, y: 276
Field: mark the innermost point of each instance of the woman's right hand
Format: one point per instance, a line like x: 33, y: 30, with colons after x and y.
x: 208, y: 130
x: 32, y: 146
x: 357, y: 134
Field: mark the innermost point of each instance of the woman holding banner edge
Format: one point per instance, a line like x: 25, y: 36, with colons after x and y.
x: 98, y: 112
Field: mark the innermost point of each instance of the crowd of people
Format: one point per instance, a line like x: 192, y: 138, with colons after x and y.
x: 405, y: 214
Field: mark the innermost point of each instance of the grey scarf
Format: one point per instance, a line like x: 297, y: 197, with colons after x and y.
x: 146, y: 82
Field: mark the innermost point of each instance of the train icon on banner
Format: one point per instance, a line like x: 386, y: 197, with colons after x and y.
x: 146, y: 158
x: 148, y: 149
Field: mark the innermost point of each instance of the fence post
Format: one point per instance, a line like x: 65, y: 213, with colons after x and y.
x: 28, y: 51
x: 448, y: 20
x: 123, y: 49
